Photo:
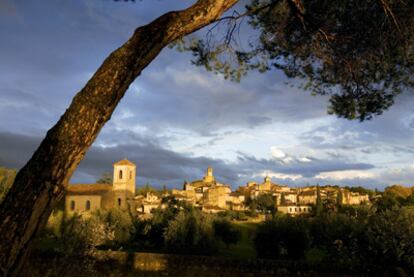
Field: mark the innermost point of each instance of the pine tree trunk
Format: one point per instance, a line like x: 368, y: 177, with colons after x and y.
x: 40, y: 183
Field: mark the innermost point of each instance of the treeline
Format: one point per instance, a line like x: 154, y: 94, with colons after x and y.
x: 179, y: 228
x: 356, y: 243
x: 352, y: 239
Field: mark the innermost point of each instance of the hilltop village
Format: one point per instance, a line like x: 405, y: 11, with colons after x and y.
x: 208, y: 194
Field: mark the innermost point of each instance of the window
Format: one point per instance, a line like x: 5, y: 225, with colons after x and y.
x: 119, y: 202
x: 130, y: 175
x: 120, y: 174
x: 88, y: 205
x: 300, y: 209
x: 296, y: 209
x: 72, y: 205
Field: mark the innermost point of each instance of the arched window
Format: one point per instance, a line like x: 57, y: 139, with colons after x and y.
x: 119, y: 202
x: 72, y: 205
x: 120, y: 174
x: 88, y: 205
x: 130, y: 175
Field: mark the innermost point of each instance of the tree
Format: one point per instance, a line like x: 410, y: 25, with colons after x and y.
x: 282, y: 237
x: 319, y: 203
x: 106, y: 178
x: 191, y: 232
x: 40, y: 183
x: 147, y: 188
x: 339, y: 199
x: 265, y: 202
x: 360, y: 52
x: 391, y: 237
x: 226, y: 232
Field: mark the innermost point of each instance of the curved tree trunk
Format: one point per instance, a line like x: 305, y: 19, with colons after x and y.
x: 41, y: 182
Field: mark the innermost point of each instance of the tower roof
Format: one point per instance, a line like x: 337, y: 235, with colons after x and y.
x: 124, y: 162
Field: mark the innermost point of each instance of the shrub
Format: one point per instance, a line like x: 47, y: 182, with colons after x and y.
x: 316, y: 256
x: 391, y: 237
x: 226, y: 232
x: 149, y: 233
x: 282, y: 237
x: 341, y: 237
x: 191, y: 232
x: 120, y: 222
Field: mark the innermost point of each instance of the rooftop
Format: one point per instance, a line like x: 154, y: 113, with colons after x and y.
x: 124, y: 162
x: 88, y: 189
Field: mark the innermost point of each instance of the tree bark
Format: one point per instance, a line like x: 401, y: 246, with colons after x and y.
x: 41, y: 182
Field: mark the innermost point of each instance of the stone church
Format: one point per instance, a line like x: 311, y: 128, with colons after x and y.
x: 89, y: 197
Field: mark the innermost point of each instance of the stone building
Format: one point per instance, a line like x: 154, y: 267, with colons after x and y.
x: 210, y: 195
x: 145, y: 204
x: 89, y: 197
x: 294, y: 210
x: 353, y: 198
x: 217, y: 195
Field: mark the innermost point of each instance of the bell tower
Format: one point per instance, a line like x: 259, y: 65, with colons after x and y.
x: 209, y: 176
x: 124, y: 183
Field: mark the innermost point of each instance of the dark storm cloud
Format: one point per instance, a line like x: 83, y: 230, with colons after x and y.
x: 16, y: 150
x: 154, y: 163
x: 49, y: 50
x: 159, y: 165
x: 57, y: 54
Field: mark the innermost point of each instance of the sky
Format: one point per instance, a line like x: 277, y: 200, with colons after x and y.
x: 177, y: 119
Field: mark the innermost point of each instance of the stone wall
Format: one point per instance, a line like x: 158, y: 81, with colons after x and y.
x: 80, y: 202
x: 116, y: 263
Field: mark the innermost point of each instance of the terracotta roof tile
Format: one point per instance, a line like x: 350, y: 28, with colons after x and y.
x: 124, y: 162
x: 88, y: 189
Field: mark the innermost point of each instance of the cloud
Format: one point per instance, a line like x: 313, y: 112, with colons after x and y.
x: 279, y: 176
x: 8, y: 8
x: 399, y: 175
x: 346, y: 174
x: 277, y: 153
x: 16, y: 149
x: 187, y: 117
x: 297, y: 167
x: 155, y: 164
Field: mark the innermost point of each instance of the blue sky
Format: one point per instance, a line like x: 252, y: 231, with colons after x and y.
x: 177, y: 119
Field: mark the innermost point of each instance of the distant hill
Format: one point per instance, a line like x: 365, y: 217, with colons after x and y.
x: 399, y: 191
x: 7, y: 176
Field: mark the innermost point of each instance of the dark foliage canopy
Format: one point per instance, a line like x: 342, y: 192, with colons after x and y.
x: 358, y: 52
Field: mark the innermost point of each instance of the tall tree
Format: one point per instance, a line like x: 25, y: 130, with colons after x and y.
x: 40, y: 183
x: 319, y: 203
x: 339, y: 198
x: 359, y: 52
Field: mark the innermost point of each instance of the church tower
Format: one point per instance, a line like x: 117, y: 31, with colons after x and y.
x: 209, y: 176
x: 124, y: 183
